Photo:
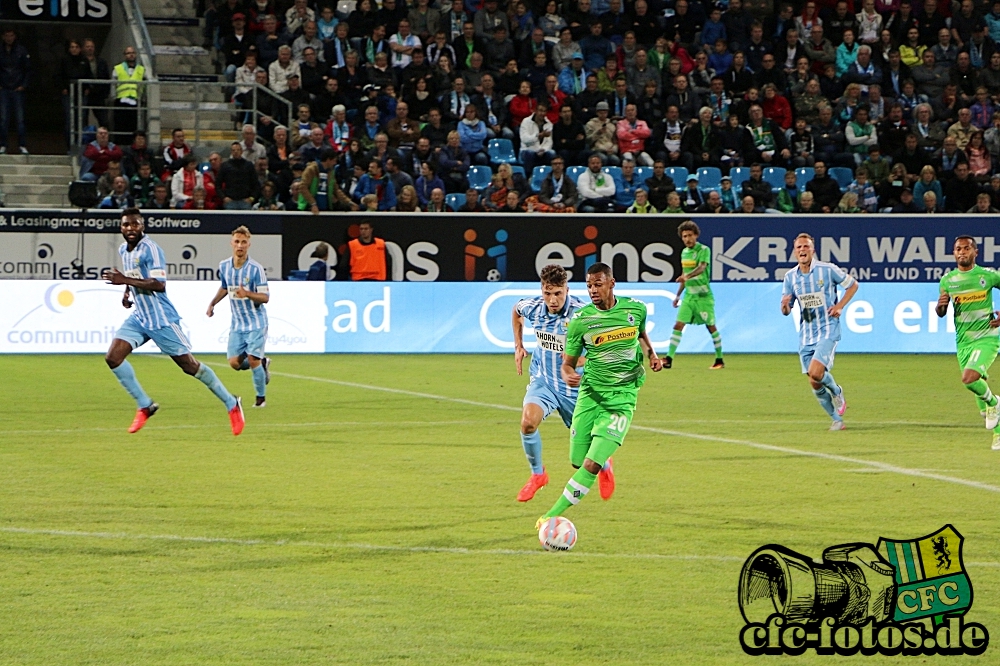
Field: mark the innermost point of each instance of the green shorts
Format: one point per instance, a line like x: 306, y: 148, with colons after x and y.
x: 979, y: 355
x: 605, y: 414
x: 697, y: 310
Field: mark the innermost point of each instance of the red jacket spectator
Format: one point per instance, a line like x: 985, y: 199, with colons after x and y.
x: 522, y: 106
x: 778, y: 110
x: 255, y: 13
x: 632, y: 135
x: 99, y: 152
x: 679, y: 52
x: 555, y: 101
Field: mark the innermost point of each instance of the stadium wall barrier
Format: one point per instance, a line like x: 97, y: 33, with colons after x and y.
x: 459, y: 247
x: 81, y: 317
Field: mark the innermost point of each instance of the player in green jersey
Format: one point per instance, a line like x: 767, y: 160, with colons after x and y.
x: 970, y: 290
x: 611, y: 330
x: 699, y: 303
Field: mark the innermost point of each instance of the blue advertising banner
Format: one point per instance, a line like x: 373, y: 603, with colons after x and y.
x: 873, y: 248
x: 476, y: 318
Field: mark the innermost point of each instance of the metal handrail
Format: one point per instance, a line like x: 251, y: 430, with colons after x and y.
x: 152, y: 91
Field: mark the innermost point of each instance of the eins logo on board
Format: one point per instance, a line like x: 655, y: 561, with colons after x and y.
x: 474, y: 252
x: 64, y: 9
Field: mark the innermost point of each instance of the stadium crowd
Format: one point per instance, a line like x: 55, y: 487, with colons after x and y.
x: 641, y: 106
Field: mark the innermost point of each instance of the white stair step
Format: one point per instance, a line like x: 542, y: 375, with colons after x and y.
x: 8, y: 179
x: 37, y: 170
x: 35, y: 160
x: 36, y: 200
x: 58, y: 190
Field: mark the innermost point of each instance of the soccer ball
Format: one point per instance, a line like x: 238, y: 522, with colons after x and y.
x: 493, y: 275
x: 557, y: 534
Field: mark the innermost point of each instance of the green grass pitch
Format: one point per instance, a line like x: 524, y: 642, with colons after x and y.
x: 350, y: 525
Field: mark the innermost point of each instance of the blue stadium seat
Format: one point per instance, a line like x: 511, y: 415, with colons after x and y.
x: 517, y: 168
x: 642, y: 173
x: 455, y: 201
x: 738, y: 175
x: 803, y: 175
x: 842, y: 175
x: 538, y: 176
x: 501, y: 151
x: 480, y: 177
x: 708, y: 178
x: 775, y: 177
x: 575, y: 171
x: 679, y: 175
x: 614, y: 172
x: 297, y: 275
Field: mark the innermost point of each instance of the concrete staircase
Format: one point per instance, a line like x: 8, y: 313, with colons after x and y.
x: 35, y: 181
x: 176, y: 33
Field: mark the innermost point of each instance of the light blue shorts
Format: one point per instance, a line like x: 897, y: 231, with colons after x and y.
x: 823, y: 351
x: 550, y: 400
x: 170, y: 339
x: 250, y: 343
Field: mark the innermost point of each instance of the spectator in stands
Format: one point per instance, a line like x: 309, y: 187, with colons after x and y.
x: 729, y: 197
x: 702, y: 141
x: 454, y: 102
x: 596, y: 188
x: 337, y: 50
x: 758, y: 188
x: 890, y: 190
x: 15, y: 75
x: 950, y: 157
x: 119, y: 198
x: 95, y: 95
x: 768, y: 141
x: 500, y: 49
x: 569, y: 138
x: 308, y: 39
x: 406, y: 202
x: 472, y: 204
x: 472, y: 136
x: 437, y: 204
x: 302, y: 126
x: 788, y: 196
x: 536, y: 139
x: 930, y: 136
x: 160, y: 199
x: 860, y: 134
x: 595, y: 47
x: 141, y: 184
x: 980, y: 162
x: 127, y: 76
x: 269, y: 41
x: 864, y: 191
x: 806, y: 203
x: 252, y: 148
x: 396, y: 175
x: 97, y: 155
x: 319, y: 190
x: 237, y: 182
x: 983, y: 205
x: 963, y: 130
x: 961, y: 190
x: 573, y: 77
x: 504, y: 182
x: 376, y: 182
x: 199, y: 200
x: 825, y: 189
x: 365, y: 257
x: 235, y: 46
x: 558, y: 193
x: 106, y: 182
x: 562, y: 53
x: 928, y: 183
x: 438, y: 47
x: 713, y: 204
x: 427, y: 183
x: 185, y: 180
x: 522, y: 106
x: 174, y: 153
x: 659, y: 185
x: 931, y: 203
x: 263, y: 173
x: 136, y: 154
x: 626, y: 186
x: 279, y: 71
x: 72, y: 68
x: 402, y: 44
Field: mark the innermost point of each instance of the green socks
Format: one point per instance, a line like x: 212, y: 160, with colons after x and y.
x: 575, y: 490
x: 717, y: 341
x: 675, y: 339
x: 982, y: 391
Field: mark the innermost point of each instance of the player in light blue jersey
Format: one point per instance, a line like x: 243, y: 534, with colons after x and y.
x: 144, y: 275
x: 245, y: 282
x: 813, y: 284
x: 548, y: 315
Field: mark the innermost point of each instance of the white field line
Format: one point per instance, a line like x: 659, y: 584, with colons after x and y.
x: 351, y: 546
x: 282, y: 543
x: 883, y: 467
x: 225, y: 426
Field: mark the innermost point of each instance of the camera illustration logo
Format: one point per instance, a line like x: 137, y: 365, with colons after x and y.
x: 905, y: 597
